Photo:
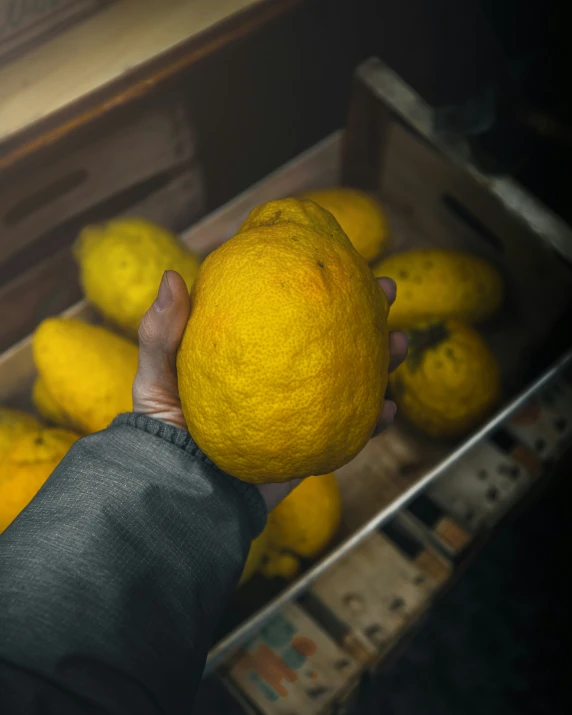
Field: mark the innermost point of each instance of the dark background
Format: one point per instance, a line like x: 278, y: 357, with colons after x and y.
x: 448, y: 50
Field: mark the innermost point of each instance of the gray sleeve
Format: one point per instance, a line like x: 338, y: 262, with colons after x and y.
x: 113, y: 578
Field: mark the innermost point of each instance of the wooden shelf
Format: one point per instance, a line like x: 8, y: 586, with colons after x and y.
x: 109, y: 48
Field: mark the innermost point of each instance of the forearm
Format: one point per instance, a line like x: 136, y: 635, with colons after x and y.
x: 112, y: 580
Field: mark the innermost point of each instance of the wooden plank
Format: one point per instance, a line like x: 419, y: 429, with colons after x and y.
x: 291, y: 666
x: 377, y: 592
x: 388, y: 464
x: 146, y: 45
x: 132, y: 153
x: 435, y: 527
x: 485, y: 484
x: 45, y: 289
x: 544, y: 426
x: 110, y: 44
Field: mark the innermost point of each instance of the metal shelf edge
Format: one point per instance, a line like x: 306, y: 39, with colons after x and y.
x: 246, y: 629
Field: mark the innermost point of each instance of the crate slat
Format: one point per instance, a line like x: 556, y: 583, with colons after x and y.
x: 137, y: 150
x: 291, y: 667
x: 378, y: 590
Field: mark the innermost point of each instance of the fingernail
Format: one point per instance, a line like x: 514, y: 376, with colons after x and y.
x: 164, y: 296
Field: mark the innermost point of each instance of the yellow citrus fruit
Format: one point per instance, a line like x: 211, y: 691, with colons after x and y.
x: 14, y: 424
x: 121, y: 264
x: 280, y: 564
x: 360, y: 216
x: 87, y: 370
x: 26, y: 466
x: 283, y: 365
x: 302, y: 525
x: 47, y: 406
x: 434, y: 284
x: 450, y: 380
x: 256, y: 553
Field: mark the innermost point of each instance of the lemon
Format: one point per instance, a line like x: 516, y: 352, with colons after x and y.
x: 279, y: 564
x: 87, y: 371
x: 436, y: 284
x: 13, y: 424
x: 283, y: 364
x: 361, y: 217
x: 47, y: 406
x: 256, y: 553
x: 450, y: 380
x: 26, y: 466
x: 121, y: 264
x: 302, y: 525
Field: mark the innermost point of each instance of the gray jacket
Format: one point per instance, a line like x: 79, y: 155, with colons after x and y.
x: 112, y: 580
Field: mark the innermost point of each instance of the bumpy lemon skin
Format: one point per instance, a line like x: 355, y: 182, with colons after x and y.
x: 435, y: 284
x: 13, y: 425
x: 450, y: 388
x: 87, y: 370
x: 283, y: 365
x: 27, y: 465
x: 121, y: 264
x: 306, y: 521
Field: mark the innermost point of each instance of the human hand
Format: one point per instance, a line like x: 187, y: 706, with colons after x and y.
x: 155, y: 389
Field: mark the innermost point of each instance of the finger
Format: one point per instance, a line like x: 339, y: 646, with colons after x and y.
x: 386, y: 417
x: 389, y: 287
x: 398, y: 345
x: 160, y: 334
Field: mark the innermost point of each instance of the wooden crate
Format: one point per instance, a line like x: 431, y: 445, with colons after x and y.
x: 395, y: 463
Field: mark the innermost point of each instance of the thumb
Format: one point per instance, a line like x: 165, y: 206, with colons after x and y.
x: 155, y: 390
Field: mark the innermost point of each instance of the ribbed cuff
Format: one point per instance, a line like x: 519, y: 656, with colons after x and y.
x: 180, y: 438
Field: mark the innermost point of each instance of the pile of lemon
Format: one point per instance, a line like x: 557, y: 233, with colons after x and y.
x: 283, y: 365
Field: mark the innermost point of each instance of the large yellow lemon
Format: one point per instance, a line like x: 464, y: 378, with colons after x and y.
x: 283, y: 364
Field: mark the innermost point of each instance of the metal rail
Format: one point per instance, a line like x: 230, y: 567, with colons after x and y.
x: 240, y: 634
